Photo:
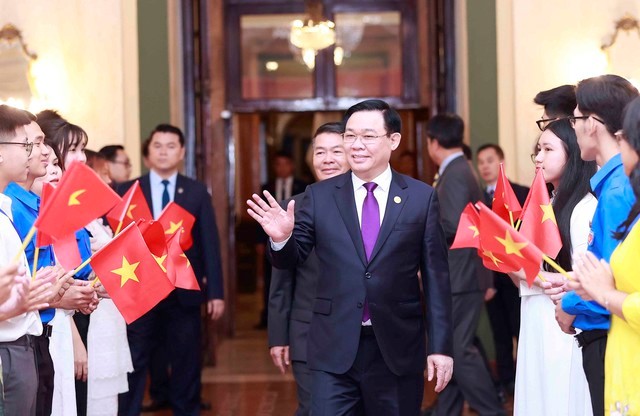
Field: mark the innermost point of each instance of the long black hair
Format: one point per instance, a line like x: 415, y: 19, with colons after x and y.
x: 573, y: 186
x: 631, y: 128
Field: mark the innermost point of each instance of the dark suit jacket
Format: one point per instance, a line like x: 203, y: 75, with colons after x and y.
x: 204, y: 255
x: 410, y: 240
x: 291, y: 302
x: 456, y: 187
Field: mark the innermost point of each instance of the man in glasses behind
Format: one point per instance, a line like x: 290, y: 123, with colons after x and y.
x: 558, y: 103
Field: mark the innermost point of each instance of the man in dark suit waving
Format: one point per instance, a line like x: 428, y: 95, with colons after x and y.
x: 373, y: 230
x: 175, y: 321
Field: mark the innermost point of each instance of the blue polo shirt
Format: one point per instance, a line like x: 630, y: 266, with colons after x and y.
x: 84, y: 247
x: 24, y: 209
x: 615, y: 199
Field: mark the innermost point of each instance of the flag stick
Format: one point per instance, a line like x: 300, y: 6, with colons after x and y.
x: 84, y: 263
x: 93, y: 283
x: 35, y: 262
x: 118, y: 228
x: 556, y: 266
x: 25, y: 243
x: 510, y: 217
x: 518, y: 223
x: 541, y: 278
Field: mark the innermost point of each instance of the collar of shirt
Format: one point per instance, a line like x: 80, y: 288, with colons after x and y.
x: 381, y: 192
x: 157, y: 188
x: 5, y: 205
x: 448, y: 160
x: 491, y: 188
x: 600, y: 178
x: 28, y: 198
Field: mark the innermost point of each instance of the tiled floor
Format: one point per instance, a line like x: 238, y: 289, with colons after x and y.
x: 245, y: 382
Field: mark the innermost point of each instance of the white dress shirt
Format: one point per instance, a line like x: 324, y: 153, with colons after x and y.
x: 448, y: 160
x: 157, y: 188
x: 284, y: 188
x: 28, y: 323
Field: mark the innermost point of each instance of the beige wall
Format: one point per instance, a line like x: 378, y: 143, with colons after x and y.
x: 87, y: 65
x: 543, y: 44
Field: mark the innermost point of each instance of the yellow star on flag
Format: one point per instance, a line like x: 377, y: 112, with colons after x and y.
x: 188, y: 262
x: 493, y: 258
x: 130, y: 210
x: 173, y: 227
x: 510, y: 246
x: 73, y: 199
x: 475, y: 230
x: 160, y: 260
x: 127, y: 271
x: 548, y: 213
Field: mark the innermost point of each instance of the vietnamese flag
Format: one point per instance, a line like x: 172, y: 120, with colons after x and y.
x: 173, y: 217
x: 42, y: 239
x: 505, y: 203
x: 539, y: 223
x: 67, y: 252
x: 508, y: 245
x: 80, y: 198
x: 179, y: 268
x: 467, y: 233
x: 132, y: 208
x: 153, y: 235
x: 65, y: 248
x: 130, y: 274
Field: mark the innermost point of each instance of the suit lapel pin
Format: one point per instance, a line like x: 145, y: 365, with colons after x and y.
x: 180, y: 190
x: 397, y: 199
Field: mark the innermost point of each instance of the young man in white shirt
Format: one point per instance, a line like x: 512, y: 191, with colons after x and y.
x: 19, y: 319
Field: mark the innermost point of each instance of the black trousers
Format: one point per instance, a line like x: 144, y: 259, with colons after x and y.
x: 368, y: 388
x: 471, y: 379
x: 82, y: 324
x: 594, y: 345
x: 504, y: 316
x: 179, y: 325
x: 44, y: 366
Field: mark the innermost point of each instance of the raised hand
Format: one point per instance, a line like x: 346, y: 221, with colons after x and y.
x: 275, y: 221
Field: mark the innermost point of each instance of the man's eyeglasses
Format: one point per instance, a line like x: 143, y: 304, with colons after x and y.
x: 364, y: 138
x: 572, y: 119
x: 28, y: 146
x: 543, y: 123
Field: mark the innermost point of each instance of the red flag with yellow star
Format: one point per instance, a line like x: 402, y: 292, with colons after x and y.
x: 505, y: 203
x: 80, y: 198
x: 130, y: 274
x: 467, y: 233
x: 507, y: 244
x: 539, y: 223
x: 132, y: 208
x: 179, y: 268
x: 173, y: 217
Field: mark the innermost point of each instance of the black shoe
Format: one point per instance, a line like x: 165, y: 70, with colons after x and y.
x: 155, y: 406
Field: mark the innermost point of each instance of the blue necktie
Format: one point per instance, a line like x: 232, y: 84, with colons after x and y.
x: 370, y: 228
x: 165, y: 193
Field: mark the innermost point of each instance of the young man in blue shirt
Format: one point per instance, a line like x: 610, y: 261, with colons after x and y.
x: 598, y: 115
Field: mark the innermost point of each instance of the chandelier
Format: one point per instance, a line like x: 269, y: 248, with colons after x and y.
x: 313, y: 34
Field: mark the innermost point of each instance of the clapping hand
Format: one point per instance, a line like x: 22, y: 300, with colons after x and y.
x: 593, y: 277
x: 275, y: 221
x: 19, y: 291
x: 7, y: 280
